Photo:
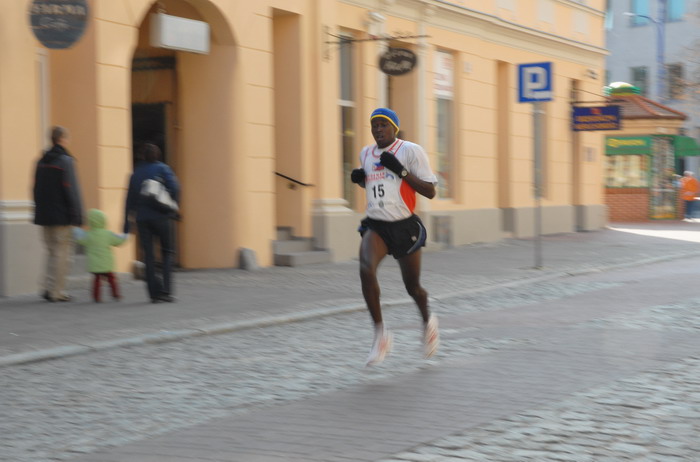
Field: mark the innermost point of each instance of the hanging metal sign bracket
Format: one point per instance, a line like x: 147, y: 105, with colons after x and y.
x: 344, y: 41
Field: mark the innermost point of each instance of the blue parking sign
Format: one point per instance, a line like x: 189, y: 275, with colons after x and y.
x: 535, y: 82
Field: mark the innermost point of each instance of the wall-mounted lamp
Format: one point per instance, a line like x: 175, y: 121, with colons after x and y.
x: 375, y: 16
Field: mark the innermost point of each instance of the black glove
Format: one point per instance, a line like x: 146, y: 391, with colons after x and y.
x: 358, y: 176
x: 391, y: 162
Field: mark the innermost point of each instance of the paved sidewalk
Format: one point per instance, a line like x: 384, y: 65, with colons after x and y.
x: 598, y: 367
x: 218, y: 301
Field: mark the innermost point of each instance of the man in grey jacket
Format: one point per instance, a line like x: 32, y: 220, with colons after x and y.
x: 58, y: 207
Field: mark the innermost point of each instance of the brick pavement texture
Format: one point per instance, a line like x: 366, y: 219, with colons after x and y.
x: 600, y: 366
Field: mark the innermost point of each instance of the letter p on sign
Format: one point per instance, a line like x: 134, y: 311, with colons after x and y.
x: 534, y: 82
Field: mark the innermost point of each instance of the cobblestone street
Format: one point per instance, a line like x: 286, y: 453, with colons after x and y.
x: 654, y: 416
x: 593, y: 366
x: 120, y: 395
x: 107, y: 399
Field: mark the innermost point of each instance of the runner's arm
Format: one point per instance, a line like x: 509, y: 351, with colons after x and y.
x: 424, y: 188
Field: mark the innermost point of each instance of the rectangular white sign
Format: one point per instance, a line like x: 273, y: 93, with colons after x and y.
x: 177, y: 33
x: 443, y: 83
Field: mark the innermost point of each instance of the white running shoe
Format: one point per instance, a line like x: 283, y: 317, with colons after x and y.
x: 431, y: 336
x: 380, y: 348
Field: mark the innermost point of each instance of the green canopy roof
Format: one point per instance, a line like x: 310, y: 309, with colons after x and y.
x: 685, y: 146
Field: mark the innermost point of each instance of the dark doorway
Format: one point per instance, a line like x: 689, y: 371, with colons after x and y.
x: 148, y: 125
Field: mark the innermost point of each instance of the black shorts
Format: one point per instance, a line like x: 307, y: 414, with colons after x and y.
x: 401, y: 237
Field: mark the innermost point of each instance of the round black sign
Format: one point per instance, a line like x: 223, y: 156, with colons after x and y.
x: 58, y: 24
x: 397, y: 61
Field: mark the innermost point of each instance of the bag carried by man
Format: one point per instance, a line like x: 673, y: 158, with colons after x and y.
x: 157, y: 196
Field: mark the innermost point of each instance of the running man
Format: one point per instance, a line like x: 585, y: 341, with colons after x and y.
x: 392, y: 171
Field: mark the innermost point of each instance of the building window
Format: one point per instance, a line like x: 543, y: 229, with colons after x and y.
x: 639, y: 78
x: 627, y: 171
x: 674, y: 76
x: 580, y: 22
x: 609, y: 16
x: 347, y: 116
x: 639, y: 8
x: 546, y: 11
x: 443, y: 88
x: 507, y: 4
x: 675, y: 10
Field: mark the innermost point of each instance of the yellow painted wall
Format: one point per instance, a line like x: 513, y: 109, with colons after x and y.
x: 477, y: 53
x: 288, y: 135
x: 266, y: 99
x: 20, y: 144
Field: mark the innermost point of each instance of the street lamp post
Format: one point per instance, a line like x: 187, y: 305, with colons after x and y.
x: 660, y: 23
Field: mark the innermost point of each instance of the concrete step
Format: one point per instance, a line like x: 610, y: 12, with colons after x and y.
x: 303, y: 258
x: 285, y: 233
x: 292, y: 245
x: 289, y: 250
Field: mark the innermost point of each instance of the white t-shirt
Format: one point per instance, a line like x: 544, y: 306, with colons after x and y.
x: 389, y: 198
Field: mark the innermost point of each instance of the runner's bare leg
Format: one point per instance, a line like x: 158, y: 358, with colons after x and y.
x: 372, y: 251
x: 410, y: 271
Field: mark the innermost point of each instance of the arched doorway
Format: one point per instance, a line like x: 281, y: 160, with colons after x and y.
x: 184, y: 102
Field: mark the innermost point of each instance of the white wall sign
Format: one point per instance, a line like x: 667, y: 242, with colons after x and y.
x: 443, y: 82
x: 177, y: 33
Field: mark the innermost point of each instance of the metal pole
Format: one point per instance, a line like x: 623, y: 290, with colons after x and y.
x: 537, y: 112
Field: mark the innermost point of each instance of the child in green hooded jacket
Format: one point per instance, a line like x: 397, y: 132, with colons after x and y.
x: 98, y: 242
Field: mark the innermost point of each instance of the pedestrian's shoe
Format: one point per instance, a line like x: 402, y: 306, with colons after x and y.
x: 46, y: 296
x: 431, y: 336
x: 163, y: 298
x: 380, y: 348
x: 62, y: 298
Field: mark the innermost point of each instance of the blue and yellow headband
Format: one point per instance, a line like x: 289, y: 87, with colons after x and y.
x: 387, y: 114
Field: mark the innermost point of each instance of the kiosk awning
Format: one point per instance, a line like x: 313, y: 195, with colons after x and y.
x: 685, y: 146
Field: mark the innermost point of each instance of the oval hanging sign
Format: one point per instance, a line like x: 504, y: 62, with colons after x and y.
x: 397, y: 61
x: 58, y: 24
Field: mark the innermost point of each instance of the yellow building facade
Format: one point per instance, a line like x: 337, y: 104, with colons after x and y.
x: 263, y: 129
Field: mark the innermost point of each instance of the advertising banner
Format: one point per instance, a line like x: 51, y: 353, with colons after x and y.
x: 596, y: 118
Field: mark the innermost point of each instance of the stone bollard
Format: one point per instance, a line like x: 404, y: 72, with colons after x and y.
x: 247, y: 260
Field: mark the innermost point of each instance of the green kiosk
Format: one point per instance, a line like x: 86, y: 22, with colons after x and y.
x: 645, y: 159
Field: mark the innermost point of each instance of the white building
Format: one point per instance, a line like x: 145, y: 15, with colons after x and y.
x: 652, y: 45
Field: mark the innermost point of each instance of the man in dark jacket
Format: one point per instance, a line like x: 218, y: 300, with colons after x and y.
x: 58, y: 207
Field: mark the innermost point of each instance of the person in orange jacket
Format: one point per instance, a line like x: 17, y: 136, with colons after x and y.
x: 690, y: 187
